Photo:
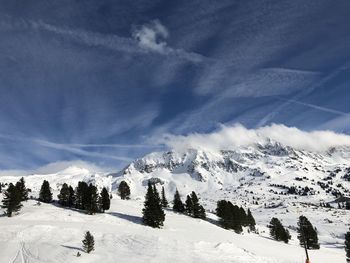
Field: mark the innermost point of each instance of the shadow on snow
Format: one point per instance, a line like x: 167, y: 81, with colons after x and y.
x: 133, y: 219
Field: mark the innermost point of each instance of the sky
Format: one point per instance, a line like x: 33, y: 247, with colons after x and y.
x: 100, y: 81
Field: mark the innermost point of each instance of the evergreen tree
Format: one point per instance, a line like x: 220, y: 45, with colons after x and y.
x: 153, y: 214
x: 178, y: 206
x: 251, y: 220
x: 347, y: 245
x: 105, y: 202
x: 347, y: 205
x: 71, y: 199
x: 193, y: 208
x: 88, y: 242
x: 243, y: 217
x: 189, y: 205
x: 124, y: 190
x: 91, y: 205
x: 198, y: 210
x: 307, y: 234
x: 11, y: 200
x: 278, y: 232
x: 230, y: 215
x: 45, y: 194
x: 164, y: 200
x: 23, y: 191
x: 81, y: 195
x: 64, y: 195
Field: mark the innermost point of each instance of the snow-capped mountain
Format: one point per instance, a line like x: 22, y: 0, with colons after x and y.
x: 267, y: 171
x: 270, y: 169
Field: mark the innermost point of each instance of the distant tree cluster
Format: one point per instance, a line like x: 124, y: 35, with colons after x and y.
x: 234, y: 217
x: 13, y: 197
x: 278, y: 232
x: 153, y: 213
x: 85, y: 197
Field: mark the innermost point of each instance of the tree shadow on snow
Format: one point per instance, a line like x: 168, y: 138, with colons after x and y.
x: 74, y: 248
x: 56, y: 204
x: 213, y: 221
x: 133, y: 219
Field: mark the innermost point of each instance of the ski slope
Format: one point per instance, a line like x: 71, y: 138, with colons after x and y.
x: 49, y: 233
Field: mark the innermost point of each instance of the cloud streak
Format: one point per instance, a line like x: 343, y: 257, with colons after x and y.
x: 146, y: 38
x: 77, y: 148
x: 316, y: 107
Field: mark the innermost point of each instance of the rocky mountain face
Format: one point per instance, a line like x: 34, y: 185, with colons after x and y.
x: 269, y: 168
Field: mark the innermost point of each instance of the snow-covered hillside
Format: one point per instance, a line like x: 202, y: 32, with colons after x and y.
x: 48, y: 234
x: 271, y: 179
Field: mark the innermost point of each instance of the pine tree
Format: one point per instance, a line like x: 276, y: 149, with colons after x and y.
x: 105, y: 202
x: 243, y: 217
x: 91, y: 205
x: 347, y: 205
x: 64, y: 195
x: 164, y: 200
x: 21, y: 187
x: 81, y: 195
x: 178, y: 206
x: 223, y: 212
x: 251, y: 220
x: 278, y: 232
x: 45, y: 194
x: 189, y: 205
x: 124, y: 190
x: 307, y: 234
x: 153, y: 214
x: 11, y: 200
x: 347, y: 246
x: 71, y: 199
x: 198, y: 210
x: 88, y: 242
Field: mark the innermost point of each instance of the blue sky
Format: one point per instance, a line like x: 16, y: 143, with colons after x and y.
x: 95, y: 80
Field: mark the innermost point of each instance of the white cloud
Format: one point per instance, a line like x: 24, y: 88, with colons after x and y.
x: 231, y: 137
x: 56, y: 167
x: 152, y: 36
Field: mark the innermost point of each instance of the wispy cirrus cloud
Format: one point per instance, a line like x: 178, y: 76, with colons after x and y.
x: 148, y: 37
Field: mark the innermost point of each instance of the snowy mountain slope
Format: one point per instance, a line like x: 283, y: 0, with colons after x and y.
x: 51, y: 234
x: 271, y: 179
x: 269, y: 167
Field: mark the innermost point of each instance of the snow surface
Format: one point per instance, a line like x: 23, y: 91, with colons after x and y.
x: 48, y: 233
